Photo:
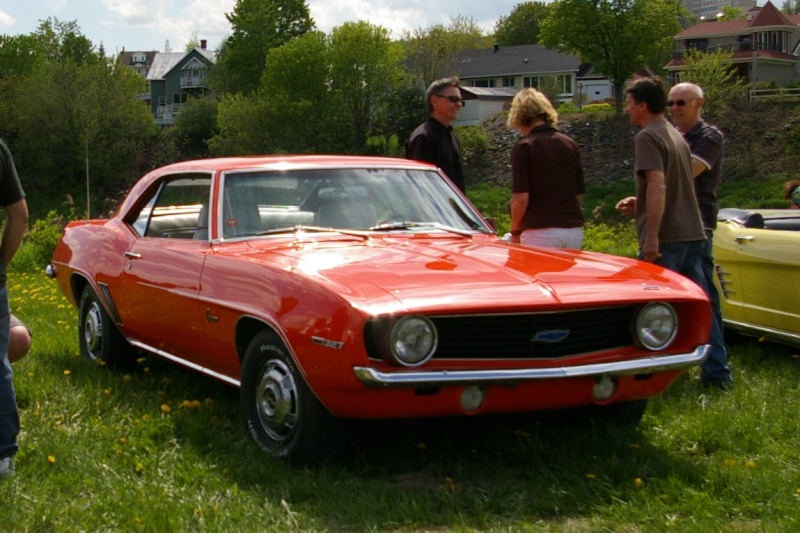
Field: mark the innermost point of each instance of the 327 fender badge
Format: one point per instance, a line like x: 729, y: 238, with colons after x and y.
x: 319, y: 341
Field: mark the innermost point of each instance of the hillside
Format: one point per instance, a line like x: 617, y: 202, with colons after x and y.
x: 762, y: 140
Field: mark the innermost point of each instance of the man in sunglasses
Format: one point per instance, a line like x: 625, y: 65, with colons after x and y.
x: 705, y: 142
x: 433, y: 141
x: 668, y: 222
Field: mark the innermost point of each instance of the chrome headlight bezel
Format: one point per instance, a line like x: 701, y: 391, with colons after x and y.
x: 412, y: 341
x: 656, y: 326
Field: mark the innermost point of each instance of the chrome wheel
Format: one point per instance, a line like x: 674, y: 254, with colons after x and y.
x: 93, y: 330
x: 277, y: 401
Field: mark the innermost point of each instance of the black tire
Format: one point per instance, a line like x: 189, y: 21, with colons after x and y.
x: 98, y: 336
x: 280, y: 411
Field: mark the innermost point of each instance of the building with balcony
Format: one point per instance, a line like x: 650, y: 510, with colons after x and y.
x: 708, y: 9
x: 764, y: 45
x: 174, y: 77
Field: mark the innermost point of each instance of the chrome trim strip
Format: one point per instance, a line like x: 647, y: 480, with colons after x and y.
x: 443, y: 378
x: 198, y: 368
x: 788, y: 337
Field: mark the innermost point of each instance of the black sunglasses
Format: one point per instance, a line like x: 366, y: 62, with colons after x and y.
x: 453, y: 99
x: 679, y: 103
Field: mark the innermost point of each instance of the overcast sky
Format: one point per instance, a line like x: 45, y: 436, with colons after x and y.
x: 149, y: 24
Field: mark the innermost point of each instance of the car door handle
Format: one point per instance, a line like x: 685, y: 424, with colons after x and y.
x: 744, y: 238
x: 131, y: 255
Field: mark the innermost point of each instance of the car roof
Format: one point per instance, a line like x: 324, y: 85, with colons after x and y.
x: 296, y: 161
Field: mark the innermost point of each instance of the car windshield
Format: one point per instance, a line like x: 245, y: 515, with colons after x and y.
x: 364, y: 199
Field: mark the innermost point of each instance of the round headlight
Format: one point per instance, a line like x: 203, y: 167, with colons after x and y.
x: 656, y: 326
x: 413, y: 340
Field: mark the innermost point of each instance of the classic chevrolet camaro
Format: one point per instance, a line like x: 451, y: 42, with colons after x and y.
x: 757, y: 260
x: 329, y: 288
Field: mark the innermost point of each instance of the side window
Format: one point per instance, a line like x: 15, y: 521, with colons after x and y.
x: 174, y: 210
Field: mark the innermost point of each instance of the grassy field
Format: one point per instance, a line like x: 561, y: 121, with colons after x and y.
x: 163, y: 449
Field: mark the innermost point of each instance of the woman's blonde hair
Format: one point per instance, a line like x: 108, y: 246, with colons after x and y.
x: 528, y: 105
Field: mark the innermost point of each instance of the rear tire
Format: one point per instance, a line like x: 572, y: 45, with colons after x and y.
x: 98, y: 336
x: 280, y: 411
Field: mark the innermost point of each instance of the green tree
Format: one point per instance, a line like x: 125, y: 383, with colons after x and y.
x: 258, y: 27
x: 431, y: 52
x: 616, y: 36
x: 194, y: 126
x: 365, y: 70
x: 62, y: 41
x: 731, y: 13
x: 65, y: 112
x: 714, y: 72
x: 286, y: 113
x: 521, y: 26
x: 791, y: 7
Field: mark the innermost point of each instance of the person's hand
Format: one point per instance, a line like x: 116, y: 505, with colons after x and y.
x: 627, y: 206
x: 514, y: 239
x: 650, y: 251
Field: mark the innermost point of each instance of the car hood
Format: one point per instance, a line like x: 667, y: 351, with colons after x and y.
x: 426, y: 274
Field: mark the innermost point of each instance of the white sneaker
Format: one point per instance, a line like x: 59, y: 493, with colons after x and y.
x: 6, y: 467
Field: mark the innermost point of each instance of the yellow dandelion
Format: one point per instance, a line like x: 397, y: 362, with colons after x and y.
x: 137, y: 520
x: 67, y: 372
x: 208, y: 402
x: 226, y: 471
x: 106, y: 391
x: 664, y: 498
x: 141, y: 360
x: 638, y: 483
x: 100, y: 362
x: 422, y: 446
x: 165, y: 408
x: 127, y: 378
x: 634, y: 446
x: 729, y: 462
x: 139, y: 468
x: 750, y: 464
x: 123, y: 440
x: 797, y: 490
x: 591, y: 477
x: 51, y: 459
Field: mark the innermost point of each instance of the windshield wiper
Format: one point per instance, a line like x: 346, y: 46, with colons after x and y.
x: 312, y: 229
x: 390, y: 226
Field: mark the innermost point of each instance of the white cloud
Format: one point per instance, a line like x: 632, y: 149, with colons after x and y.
x: 6, y: 19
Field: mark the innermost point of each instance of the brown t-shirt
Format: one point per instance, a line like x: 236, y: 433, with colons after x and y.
x: 546, y: 164
x: 659, y: 146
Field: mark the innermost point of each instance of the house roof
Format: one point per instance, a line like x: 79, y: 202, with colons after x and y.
x: 513, y: 60
x: 126, y: 58
x: 166, y: 61
x: 489, y: 92
x: 768, y: 16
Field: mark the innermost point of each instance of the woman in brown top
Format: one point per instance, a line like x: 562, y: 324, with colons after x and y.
x: 547, y: 177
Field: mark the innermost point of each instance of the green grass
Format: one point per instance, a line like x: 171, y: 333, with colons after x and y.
x: 164, y: 449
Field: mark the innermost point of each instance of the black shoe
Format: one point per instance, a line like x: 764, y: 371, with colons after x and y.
x: 722, y: 384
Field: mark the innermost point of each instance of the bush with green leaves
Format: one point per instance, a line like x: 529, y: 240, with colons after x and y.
x: 474, y: 145
x: 38, y: 244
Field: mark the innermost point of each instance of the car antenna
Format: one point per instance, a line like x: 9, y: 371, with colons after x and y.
x: 86, y: 148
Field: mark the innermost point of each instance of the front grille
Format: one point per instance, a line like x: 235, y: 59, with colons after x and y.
x: 526, y: 336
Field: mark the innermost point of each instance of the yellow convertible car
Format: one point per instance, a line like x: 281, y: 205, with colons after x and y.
x: 757, y: 261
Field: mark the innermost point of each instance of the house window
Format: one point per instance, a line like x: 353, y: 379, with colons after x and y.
x: 509, y: 82
x: 697, y: 45
x: 484, y: 82
x: 564, y: 83
x: 531, y: 81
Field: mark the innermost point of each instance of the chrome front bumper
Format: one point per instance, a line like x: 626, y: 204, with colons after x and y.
x: 444, y: 378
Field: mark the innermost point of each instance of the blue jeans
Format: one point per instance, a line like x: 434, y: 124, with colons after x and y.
x: 694, y: 260
x: 9, y: 415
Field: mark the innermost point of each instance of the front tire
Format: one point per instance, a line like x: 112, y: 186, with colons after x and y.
x: 281, y: 412
x: 98, y: 336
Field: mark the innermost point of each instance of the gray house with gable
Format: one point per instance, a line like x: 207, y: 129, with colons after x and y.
x: 176, y: 76
x: 490, y: 77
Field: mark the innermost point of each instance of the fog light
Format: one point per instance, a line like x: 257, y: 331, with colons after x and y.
x: 472, y: 398
x: 604, y: 388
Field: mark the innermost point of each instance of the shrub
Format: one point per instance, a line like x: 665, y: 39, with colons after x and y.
x: 38, y: 244
x: 474, y: 145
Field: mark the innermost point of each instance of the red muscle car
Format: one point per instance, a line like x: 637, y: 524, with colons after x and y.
x: 329, y: 288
